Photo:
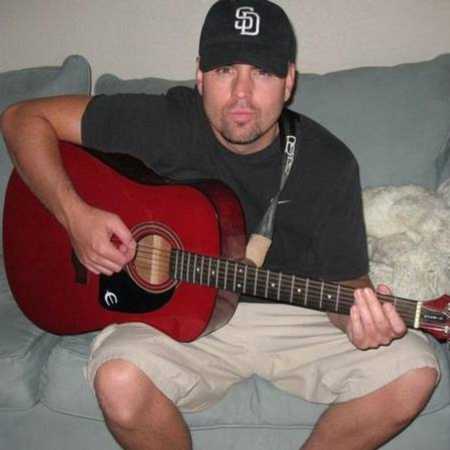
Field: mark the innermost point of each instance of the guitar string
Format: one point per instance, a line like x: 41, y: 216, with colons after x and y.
x: 315, y: 291
x: 344, y: 289
x: 315, y: 288
x: 314, y: 299
x: 312, y: 283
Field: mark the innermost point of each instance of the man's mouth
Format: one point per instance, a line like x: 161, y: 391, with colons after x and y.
x: 241, y: 115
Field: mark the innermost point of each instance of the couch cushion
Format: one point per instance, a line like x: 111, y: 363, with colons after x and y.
x: 72, y: 77
x: 111, y: 84
x: 63, y: 385
x: 396, y: 119
x: 4, y: 286
x: 23, y: 351
x: 254, y: 402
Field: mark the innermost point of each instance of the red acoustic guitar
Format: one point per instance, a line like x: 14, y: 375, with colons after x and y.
x: 187, y: 273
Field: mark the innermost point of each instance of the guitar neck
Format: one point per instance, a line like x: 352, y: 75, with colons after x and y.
x: 275, y: 286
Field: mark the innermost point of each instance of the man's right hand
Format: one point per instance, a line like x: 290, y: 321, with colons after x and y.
x: 91, y: 232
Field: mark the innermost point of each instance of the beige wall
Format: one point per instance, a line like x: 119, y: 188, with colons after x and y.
x: 134, y: 38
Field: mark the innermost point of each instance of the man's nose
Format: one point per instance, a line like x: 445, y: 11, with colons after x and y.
x: 243, y: 83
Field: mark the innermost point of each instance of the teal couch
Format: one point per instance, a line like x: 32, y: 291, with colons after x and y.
x: 396, y: 120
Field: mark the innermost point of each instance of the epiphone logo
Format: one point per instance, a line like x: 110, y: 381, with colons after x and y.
x: 110, y: 298
x: 247, y: 21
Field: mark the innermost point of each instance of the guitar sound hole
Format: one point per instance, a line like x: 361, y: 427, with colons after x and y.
x: 152, y: 259
x: 150, y: 269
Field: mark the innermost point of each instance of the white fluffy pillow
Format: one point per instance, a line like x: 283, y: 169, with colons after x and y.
x: 408, y: 231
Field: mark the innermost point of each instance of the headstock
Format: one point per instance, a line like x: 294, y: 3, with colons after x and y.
x: 435, y: 317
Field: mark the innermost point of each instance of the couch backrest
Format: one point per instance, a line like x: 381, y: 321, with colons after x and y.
x: 396, y: 119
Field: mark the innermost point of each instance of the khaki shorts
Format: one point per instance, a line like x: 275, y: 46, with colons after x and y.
x: 298, y: 350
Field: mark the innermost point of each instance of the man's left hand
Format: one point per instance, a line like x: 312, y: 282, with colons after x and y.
x: 372, y: 323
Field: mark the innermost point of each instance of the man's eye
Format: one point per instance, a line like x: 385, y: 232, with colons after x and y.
x: 223, y: 70
x: 264, y: 73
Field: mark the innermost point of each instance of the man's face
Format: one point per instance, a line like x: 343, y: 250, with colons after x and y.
x: 243, y: 104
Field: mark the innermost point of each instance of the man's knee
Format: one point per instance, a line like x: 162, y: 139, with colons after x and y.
x: 124, y: 392
x: 411, y: 393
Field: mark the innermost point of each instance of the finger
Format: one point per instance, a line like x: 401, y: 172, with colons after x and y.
x: 98, y: 270
x: 355, y: 329
x: 384, y: 289
x: 128, y: 250
x: 127, y: 243
x: 105, y: 253
x: 365, y: 314
x: 397, y: 323
x: 106, y: 264
x: 379, y: 318
x: 97, y: 267
x: 92, y: 269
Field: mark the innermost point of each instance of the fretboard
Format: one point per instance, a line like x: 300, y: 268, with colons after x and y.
x: 274, y: 286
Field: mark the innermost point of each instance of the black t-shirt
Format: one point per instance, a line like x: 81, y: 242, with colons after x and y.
x: 319, y: 229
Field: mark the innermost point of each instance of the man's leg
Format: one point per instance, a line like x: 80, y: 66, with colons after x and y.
x: 138, y: 415
x: 368, y: 422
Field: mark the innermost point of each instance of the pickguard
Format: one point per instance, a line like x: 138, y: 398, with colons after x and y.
x: 119, y: 293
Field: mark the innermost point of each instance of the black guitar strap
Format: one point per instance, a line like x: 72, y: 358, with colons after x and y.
x: 260, y: 241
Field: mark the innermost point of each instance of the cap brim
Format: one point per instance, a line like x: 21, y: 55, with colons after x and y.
x: 219, y: 55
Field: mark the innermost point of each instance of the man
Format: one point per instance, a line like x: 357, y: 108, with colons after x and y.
x: 229, y: 129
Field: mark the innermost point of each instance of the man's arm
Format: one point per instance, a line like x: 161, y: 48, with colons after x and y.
x: 370, y: 323
x: 32, y: 130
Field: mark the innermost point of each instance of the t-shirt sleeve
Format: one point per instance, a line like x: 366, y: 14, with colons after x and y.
x: 153, y: 128
x: 342, y: 245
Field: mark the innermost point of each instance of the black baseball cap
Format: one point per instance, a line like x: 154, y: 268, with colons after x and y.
x: 256, y: 32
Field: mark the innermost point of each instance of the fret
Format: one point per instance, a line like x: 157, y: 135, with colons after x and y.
x: 187, y: 266
x: 338, y: 297
x: 235, y: 276
x: 267, y: 284
x: 209, y: 271
x: 255, y: 281
x: 226, y: 274
x: 180, y: 270
x: 195, y: 268
x: 279, y: 286
x: 329, y: 294
x: 291, y: 299
x: 217, y: 272
x: 321, y: 294
x: 305, y: 300
x: 245, y: 278
x: 176, y: 264
x: 299, y: 292
x: 182, y: 265
x: 418, y: 314
x: 201, y: 269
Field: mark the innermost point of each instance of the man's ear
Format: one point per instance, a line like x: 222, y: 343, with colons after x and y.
x: 291, y: 79
x: 199, y: 77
